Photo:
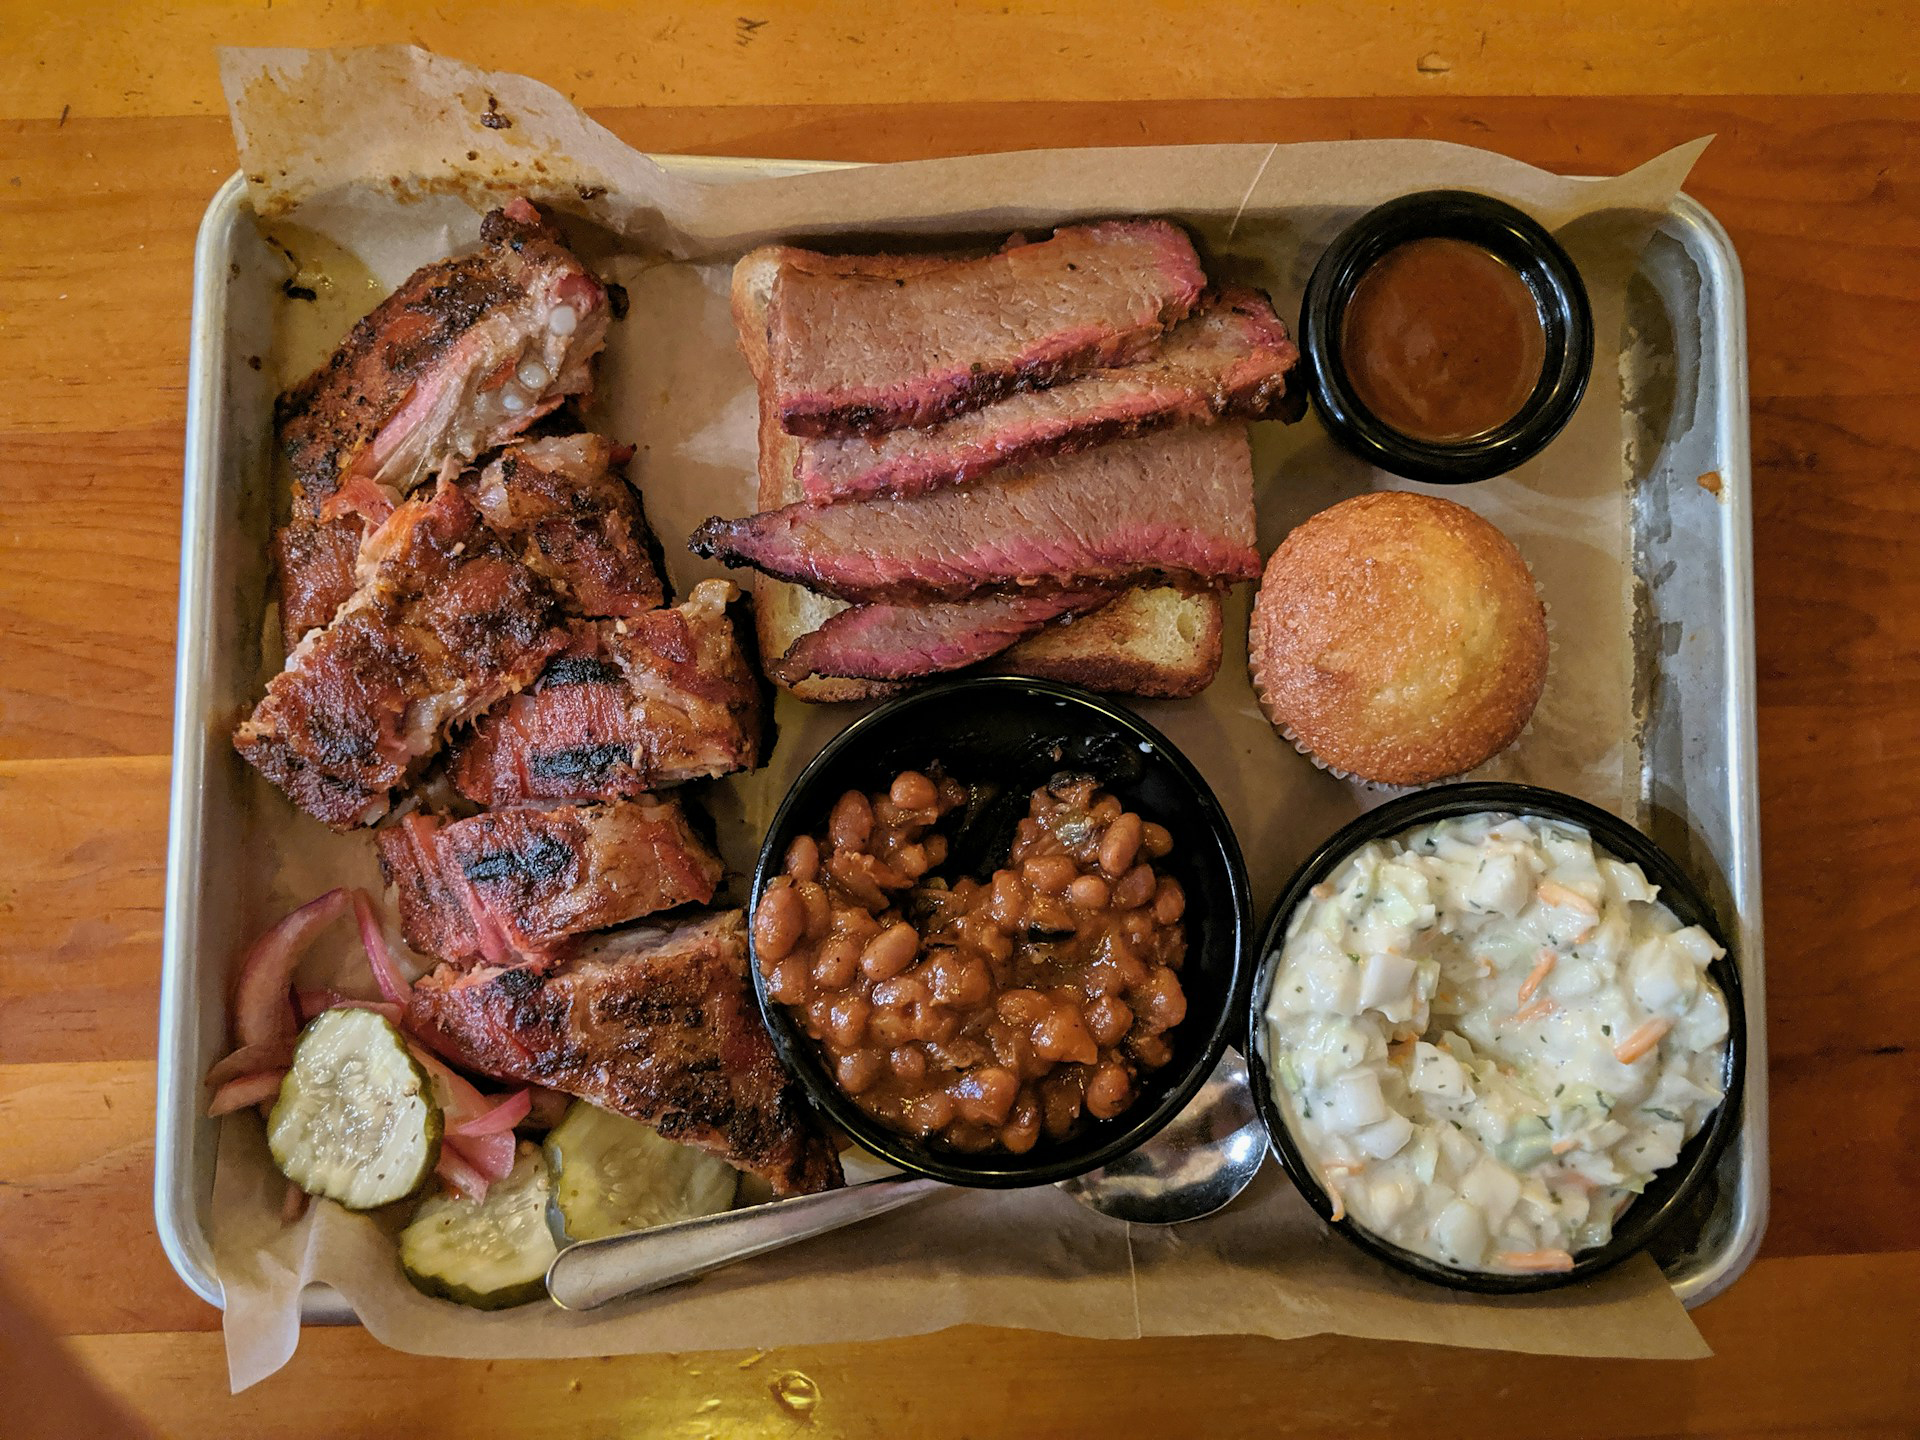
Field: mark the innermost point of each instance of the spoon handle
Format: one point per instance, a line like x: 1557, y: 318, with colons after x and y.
x: 595, y: 1271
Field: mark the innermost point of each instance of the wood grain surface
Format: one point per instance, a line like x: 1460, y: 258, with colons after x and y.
x: 110, y: 146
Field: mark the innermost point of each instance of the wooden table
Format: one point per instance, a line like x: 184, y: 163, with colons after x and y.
x: 111, y: 142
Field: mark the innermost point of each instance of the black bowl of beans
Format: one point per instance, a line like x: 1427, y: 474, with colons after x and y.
x: 999, y: 930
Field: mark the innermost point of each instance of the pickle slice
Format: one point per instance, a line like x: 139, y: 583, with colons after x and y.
x: 612, y: 1175
x: 487, y: 1254
x: 356, y: 1121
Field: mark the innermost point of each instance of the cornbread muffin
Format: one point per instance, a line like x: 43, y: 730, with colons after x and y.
x: 1398, y: 638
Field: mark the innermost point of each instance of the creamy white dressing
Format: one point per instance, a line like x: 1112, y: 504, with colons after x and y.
x: 1488, y: 1035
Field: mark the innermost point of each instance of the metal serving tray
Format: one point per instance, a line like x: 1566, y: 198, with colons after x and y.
x: 1685, y: 381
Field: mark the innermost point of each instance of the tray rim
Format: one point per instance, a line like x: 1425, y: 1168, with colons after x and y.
x: 177, y: 1119
x: 1754, y: 1202
x: 186, y: 1243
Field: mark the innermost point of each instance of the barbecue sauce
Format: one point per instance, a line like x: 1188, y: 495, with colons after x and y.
x: 1442, y: 340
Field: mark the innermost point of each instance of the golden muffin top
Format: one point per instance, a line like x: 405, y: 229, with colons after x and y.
x: 1398, y: 637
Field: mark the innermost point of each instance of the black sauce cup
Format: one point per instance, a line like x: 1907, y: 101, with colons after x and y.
x: 1564, y: 314
x: 1013, y: 735
x: 1667, y: 1194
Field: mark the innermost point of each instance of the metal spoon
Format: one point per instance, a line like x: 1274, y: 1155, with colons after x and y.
x: 1205, y: 1156
x: 593, y: 1272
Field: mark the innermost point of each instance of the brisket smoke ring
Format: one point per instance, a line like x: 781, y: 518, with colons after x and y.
x: 1176, y: 506
x: 901, y: 642
x: 856, y: 353
x: 1229, y: 359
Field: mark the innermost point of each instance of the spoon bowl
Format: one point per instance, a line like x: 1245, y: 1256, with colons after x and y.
x: 1205, y: 1157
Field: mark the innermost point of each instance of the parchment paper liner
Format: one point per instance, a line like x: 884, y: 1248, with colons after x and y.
x: 330, y: 140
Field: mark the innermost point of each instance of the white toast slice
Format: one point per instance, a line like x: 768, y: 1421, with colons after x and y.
x: 1152, y: 640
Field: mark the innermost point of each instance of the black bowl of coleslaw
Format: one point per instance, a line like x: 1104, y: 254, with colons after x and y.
x: 1667, y: 1196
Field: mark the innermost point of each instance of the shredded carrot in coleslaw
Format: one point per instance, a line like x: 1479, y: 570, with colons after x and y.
x: 1644, y: 1037
x: 1536, y: 1261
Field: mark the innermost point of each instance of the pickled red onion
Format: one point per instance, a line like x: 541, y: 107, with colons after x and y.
x: 459, y: 1174
x: 491, y: 1155
x: 251, y: 1060
x: 395, y: 988
x: 262, y: 1008
x: 499, y: 1120
x: 247, y: 1090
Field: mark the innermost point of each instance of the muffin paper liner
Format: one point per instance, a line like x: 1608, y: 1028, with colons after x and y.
x: 1377, y: 787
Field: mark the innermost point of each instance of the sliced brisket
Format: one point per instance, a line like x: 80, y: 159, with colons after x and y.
x: 657, y: 1023
x: 631, y: 706
x: 509, y: 884
x: 1229, y: 358
x: 445, y: 623
x: 900, y: 642
x: 1174, y: 506
x: 859, y: 353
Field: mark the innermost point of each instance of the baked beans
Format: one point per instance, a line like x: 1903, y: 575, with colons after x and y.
x: 981, y: 1016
